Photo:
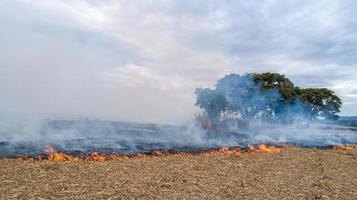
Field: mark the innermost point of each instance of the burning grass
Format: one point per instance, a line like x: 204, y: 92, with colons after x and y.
x: 53, y: 155
x: 345, y: 147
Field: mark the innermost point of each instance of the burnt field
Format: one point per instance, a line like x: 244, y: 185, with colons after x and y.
x: 293, y: 173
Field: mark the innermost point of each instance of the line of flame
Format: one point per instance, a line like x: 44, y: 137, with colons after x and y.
x: 53, y: 155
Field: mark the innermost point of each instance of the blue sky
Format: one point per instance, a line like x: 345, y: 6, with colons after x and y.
x: 142, y: 60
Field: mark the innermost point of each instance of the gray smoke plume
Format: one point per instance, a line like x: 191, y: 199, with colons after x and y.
x: 241, y: 114
x: 23, y: 136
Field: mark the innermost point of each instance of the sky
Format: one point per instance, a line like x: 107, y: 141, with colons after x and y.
x: 141, y: 61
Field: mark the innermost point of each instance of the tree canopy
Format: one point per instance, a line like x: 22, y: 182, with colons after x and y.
x: 277, y: 81
x: 321, y: 101
x: 268, y: 96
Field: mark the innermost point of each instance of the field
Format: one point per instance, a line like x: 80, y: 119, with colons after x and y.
x: 294, y: 173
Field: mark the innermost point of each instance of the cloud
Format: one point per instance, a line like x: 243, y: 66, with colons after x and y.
x: 141, y: 61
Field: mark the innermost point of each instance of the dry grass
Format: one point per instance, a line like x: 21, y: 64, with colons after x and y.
x: 294, y: 173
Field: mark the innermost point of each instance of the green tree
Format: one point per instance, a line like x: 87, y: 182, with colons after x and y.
x: 321, y: 101
x: 269, y: 96
x: 277, y: 81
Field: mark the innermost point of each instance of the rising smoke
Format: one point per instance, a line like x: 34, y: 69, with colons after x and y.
x: 241, y: 115
x: 238, y: 104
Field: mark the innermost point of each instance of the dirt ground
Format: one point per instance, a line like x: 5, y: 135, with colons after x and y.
x: 294, y: 173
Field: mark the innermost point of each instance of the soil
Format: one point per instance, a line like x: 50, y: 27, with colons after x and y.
x: 294, y: 173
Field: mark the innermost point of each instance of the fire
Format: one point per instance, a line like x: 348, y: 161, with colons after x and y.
x: 61, y: 157
x: 345, y: 147
x: 262, y: 148
x: 225, y: 151
x: 53, y: 155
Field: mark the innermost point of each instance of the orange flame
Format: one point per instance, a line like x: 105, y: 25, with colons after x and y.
x: 225, y: 151
x: 345, y: 147
x: 262, y: 148
x: 53, y: 155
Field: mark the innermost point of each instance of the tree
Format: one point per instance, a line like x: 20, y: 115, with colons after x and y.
x: 277, y: 81
x: 266, y: 96
x: 322, y: 102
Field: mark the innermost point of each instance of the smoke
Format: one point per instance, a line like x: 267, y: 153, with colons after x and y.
x: 241, y: 115
x: 23, y: 136
x: 241, y: 97
x: 19, y: 126
x: 86, y: 135
x: 238, y: 105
